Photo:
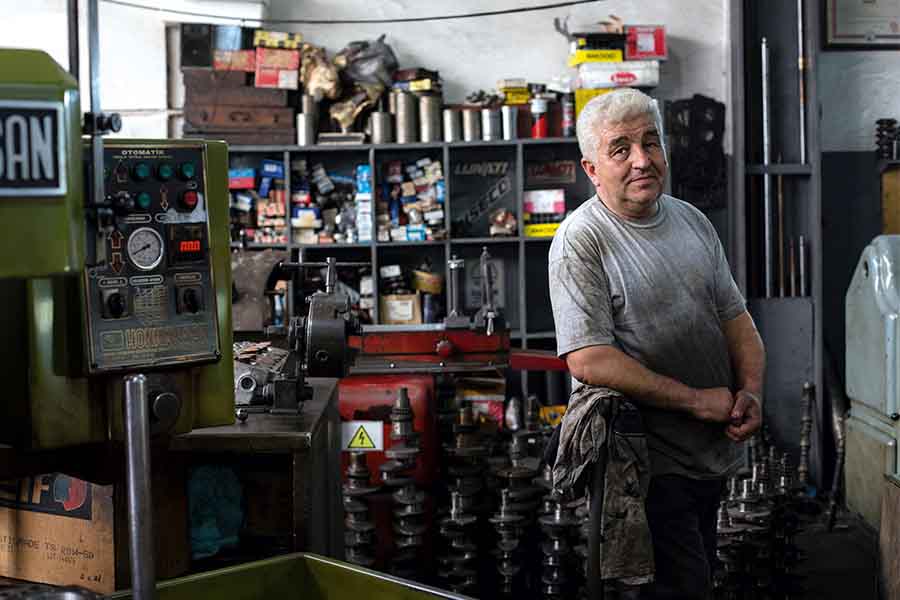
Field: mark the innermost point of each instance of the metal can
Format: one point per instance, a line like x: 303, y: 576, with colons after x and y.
x: 471, y: 119
x: 407, y: 118
x: 539, y: 120
x: 568, y: 115
x: 491, y: 128
x: 452, y: 127
x: 430, y: 118
x: 382, y: 128
x: 306, y: 129
x: 510, y: 117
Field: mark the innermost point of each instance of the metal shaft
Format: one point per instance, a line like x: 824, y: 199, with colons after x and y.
x: 767, y: 178
x: 140, y: 506
x: 74, y: 58
x: 801, y: 73
x: 453, y: 265
x: 801, y: 258
x: 792, y: 259
x: 780, y: 249
x: 97, y: 187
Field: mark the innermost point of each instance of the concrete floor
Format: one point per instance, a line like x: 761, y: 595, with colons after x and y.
x: 841, y: 564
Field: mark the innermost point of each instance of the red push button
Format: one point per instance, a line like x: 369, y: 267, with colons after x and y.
x: 189, y: 200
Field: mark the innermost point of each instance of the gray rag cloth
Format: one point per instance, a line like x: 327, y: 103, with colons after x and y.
x: 601, y: 425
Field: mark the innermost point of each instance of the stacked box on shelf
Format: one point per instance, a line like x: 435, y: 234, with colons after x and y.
x: 258, y: 204
x: 544, y: 211
x: 364, y: 200
x: 608, y: 60
x: 325, y: 206
x: 411, y: 205
x: 222, y: 100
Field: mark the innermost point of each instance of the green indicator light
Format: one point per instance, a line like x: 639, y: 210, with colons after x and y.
x: 143, y: 200
x: 165, y: 171
x: 141, y: 171
x: 188, y: 171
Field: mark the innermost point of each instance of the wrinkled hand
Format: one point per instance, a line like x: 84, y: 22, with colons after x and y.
x: 746, y: 416
x: 714, y: 404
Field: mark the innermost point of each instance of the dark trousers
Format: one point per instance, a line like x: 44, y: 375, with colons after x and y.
x: 682, y: 517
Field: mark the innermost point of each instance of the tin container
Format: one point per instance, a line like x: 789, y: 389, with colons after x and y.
x: 491, y: 128
x: 306, y: 129
x: 471, y: 124
x: 382, y: 128
x: 452, y: 126
x: 539, y: 120
x: 510, y: 117
x: 407, y: 118
x: 430, y: 118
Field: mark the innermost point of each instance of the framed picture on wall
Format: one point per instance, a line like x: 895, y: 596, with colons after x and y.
x: 862, y: 24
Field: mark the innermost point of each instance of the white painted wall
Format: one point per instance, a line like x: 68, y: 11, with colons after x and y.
x: 132, y: 49
x: 474, y: 53
x: 855, y: 89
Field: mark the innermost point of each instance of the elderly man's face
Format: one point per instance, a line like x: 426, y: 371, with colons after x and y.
x: 630, y: 167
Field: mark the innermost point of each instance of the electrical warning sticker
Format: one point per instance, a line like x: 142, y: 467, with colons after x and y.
x: 365, y: 436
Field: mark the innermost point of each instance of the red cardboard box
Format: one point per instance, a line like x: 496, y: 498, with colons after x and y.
x: 645, y: 42
x: 276, y: 68
x: 234, y: 60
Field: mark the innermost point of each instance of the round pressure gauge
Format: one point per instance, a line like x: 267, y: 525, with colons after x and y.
x: 145, y: 248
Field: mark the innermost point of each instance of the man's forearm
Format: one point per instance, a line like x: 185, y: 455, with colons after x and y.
x: 748, y: 356
x: 610, y: 367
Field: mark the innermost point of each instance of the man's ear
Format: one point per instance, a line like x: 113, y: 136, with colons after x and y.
x: 590, y: 169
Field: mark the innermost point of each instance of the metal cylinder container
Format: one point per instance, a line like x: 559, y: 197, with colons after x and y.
x: 382, y: 128
x: 452, y: 126
x: 510, y: 117
x: 407, y: 118
x: 491, y: 128
x: 306, y: 129
x: 471, y: 124
x: 430, y: 118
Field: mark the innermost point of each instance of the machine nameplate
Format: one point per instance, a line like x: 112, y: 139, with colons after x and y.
x: 31, y: 149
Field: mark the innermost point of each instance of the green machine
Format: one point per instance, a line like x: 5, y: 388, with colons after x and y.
x: 94, y: 288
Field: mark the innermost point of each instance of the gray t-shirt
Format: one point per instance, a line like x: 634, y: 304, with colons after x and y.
x: 658, y: 289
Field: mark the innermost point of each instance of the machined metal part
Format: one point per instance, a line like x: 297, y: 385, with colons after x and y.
x: 802, y: 247
x: 471, y: 124
x: 407, y: 117
x: 452, y: 125
x: 801, y: 76
x: 780, y: 226
x: 510, y: 116
x: 491, y: 124
x: 792, y: 260
x: 137, y: 481
x: 430, y: 119
x: 382, y: 128
x: 767, y: 178
x: 358, y: 537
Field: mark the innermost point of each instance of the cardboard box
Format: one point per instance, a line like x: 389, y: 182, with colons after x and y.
x: 582, y: 56
x: 429, y: 283
x: 234, y: 60
x: 60, y: 530
x: 634, y: 73
x: 401, y: 309
x: 541, y: 230
x: 645, y: 42
x: 241, y: 179
x: 277, y: 68
x: 277, y: 39
x: 545, y: 201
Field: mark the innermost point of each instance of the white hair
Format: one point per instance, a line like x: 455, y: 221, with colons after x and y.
x: 610, y: 109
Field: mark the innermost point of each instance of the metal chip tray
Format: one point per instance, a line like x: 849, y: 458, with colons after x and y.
x: 294, y: 577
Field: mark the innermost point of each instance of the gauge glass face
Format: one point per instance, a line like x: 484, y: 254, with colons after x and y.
x: 145, y: 248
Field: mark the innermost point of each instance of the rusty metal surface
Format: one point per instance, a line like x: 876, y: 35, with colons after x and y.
x: 250, y: 271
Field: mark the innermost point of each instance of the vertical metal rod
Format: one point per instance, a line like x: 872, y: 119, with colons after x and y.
x: 140, y: 506
x: 767, y: 178
x: 330, y: 274
x: 453, y: 265
x: 780, y: 249
x: 792, y: 258
x: 801, y: 73
x: 96, y: 188
x: 74, y: 57
x: 801, y: 258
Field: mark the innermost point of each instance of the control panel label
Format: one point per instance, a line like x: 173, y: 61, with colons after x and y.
x: 152, y: 339
x: 146, y: 280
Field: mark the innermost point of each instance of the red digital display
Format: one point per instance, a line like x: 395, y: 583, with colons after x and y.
x: 186, y: 246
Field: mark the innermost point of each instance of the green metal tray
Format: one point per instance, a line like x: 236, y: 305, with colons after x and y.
x: 294, y: 576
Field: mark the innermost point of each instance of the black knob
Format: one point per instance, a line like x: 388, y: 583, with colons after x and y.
x: 116, y: 306
x: 165, y: 408
x: 895, y: 417
x: 191, y: 300
x: 122, y: 202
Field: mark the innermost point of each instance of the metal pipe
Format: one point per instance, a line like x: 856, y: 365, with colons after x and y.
x: 792, y: 258
x: 454, y: 265
x: 801, y: 73
x: 137, y: 479
x: 801, y: 257
x: 780, y: 225
x: 767, y: 178
x: 74, y: 57
x: 97, y: 186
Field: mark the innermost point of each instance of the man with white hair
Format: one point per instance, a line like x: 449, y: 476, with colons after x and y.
x: 645, y: 305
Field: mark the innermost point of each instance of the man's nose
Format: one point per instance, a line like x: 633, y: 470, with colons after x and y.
x: 639, y: 158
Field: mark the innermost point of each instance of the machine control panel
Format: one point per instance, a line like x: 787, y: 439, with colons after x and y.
x: 149, y: 284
